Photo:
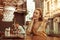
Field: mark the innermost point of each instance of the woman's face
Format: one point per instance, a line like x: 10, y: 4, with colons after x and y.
x: 36, y: 14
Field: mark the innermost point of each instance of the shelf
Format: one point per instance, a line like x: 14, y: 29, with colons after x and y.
x: 19, y: 10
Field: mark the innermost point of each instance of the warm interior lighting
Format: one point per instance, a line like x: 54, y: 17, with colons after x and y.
x: 20, y: 2
x: 58, y: 4
x: 54, y: 7
x: 8, y: 13
x: 30, y: 9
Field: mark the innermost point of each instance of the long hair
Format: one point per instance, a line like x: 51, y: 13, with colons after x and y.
x: 40, y: 11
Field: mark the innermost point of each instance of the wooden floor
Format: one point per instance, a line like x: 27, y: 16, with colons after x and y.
x: 48, y: 38
x: 53, y: 38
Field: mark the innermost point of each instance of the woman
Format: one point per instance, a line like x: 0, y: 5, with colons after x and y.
x: 36, y: 29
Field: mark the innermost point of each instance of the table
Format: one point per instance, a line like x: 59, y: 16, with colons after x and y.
x: 11, y: 38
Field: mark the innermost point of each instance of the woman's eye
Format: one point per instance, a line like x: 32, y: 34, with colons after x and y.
x: 36, y: 13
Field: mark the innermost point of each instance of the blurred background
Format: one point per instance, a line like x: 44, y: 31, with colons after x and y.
x: 21, y: 11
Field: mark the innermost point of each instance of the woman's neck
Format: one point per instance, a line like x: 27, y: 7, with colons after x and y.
x: 36, y: 20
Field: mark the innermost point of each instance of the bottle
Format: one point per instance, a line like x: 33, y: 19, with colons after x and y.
x: 7, y: 31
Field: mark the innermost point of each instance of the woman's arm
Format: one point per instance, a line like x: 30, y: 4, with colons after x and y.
x: 29, y: 29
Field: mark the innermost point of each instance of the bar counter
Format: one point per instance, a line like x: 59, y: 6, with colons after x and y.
x: 11, y: 38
